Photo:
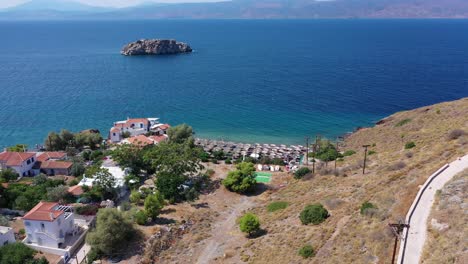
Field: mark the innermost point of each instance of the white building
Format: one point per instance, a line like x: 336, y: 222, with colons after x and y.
x: 48, y: 224
x: 7, y: 236
x: 132, y: 126
x: 119, y: 177
x: 21, y: 162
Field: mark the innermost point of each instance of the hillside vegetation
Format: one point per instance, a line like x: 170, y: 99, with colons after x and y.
x: 333, y: 216
x: 390, y: 184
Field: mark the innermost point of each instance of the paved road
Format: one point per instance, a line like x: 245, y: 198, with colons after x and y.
x: 413, y: 239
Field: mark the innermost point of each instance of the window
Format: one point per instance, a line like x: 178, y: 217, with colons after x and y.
x: 59, y: 221
x: 28, y: 162
x: 113, y: 134
x: 141, y: 125
x: 32, y: 159
x: 42, y: 227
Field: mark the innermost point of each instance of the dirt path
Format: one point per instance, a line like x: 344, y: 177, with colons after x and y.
x: 414, y: 238
x: 325, y: 250
x: 224, y: 232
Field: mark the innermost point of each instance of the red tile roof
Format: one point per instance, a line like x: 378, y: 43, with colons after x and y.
x: 159, y: 138
x: 51, y: 155
x: 76, y: 190
x: 140, y: 140
x: 52, y: 164
x: 15, y: 158
x: 43, y: 211
x: 164, y: 126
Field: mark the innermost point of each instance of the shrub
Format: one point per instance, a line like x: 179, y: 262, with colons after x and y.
x: 313, y: 214
x: 349, y: 153
x: 141, y: 218
x: 249, y: 223
x: 455, y: 134
x: 86, y: 210
x: 205, y: 157
x: 409, y: 155
x: 410, y: 145
x: 397, y: 166
x: 275, y: 206
x: 365, y: 207
x: 228, y: 161
x: 306, y: 251
x: 301, y: 172
x: 125, y: 206
x: 242, y: 179
x: 22, y: 231
x: 403, y: 122
x: 153, y: 204
x: 371, y: 152
x: 135, y: 197
x: 92, y: 256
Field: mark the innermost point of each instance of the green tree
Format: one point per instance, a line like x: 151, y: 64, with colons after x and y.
x: 19, y: 253
x: 180, y: 134
x: 135, y: 197
x: 141, y: 218
x: 77, y: 169
x: 327, y: 151
x: 18, y: 148
x: 112, y: 233
x: 153, y: 204
x: 54, y: 142
x: 40, y: 179
x: 301, y: 172
x: 174, y: 164
x: 67, y: 137
x: 130, y: 156
x: 170, y: 186
x: 59, y: 194
x: 242, y: 179
x: 249, y: 224
x: 104, y: 181
x: 8, y: 175
x: 313, y: 214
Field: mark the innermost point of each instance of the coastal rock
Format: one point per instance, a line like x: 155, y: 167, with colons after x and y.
x: 155, y: 47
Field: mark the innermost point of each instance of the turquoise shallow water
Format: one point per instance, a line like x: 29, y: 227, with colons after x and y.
x: 255, y: 81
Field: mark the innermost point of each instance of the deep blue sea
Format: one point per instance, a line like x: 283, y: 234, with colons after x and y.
x: 254, y: 81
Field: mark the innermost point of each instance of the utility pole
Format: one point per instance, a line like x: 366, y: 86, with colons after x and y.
x: 337, y: 151
x: 397, y: 229
x: 365, y: 158
x: 313, y: 158
x: 307, y: 153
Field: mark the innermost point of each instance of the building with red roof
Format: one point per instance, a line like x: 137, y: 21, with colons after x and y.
x: 131, y: 126
x: 48, y: 224
x: 52, y: 163
x: 21, y: 162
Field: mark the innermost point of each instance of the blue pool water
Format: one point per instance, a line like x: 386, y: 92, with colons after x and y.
x: 254, y: 81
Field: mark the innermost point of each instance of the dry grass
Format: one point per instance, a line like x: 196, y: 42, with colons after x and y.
x: 391, y: 183
x: 446, y: 239
x: 346, y: 236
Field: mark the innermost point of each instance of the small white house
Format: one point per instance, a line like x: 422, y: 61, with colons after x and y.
x: 7, y: 236
x: 48, y: 224
x: 21, y: 162
x: 119, y: 177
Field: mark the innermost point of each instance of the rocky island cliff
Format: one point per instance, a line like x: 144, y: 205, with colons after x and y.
x: 155, y: 47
